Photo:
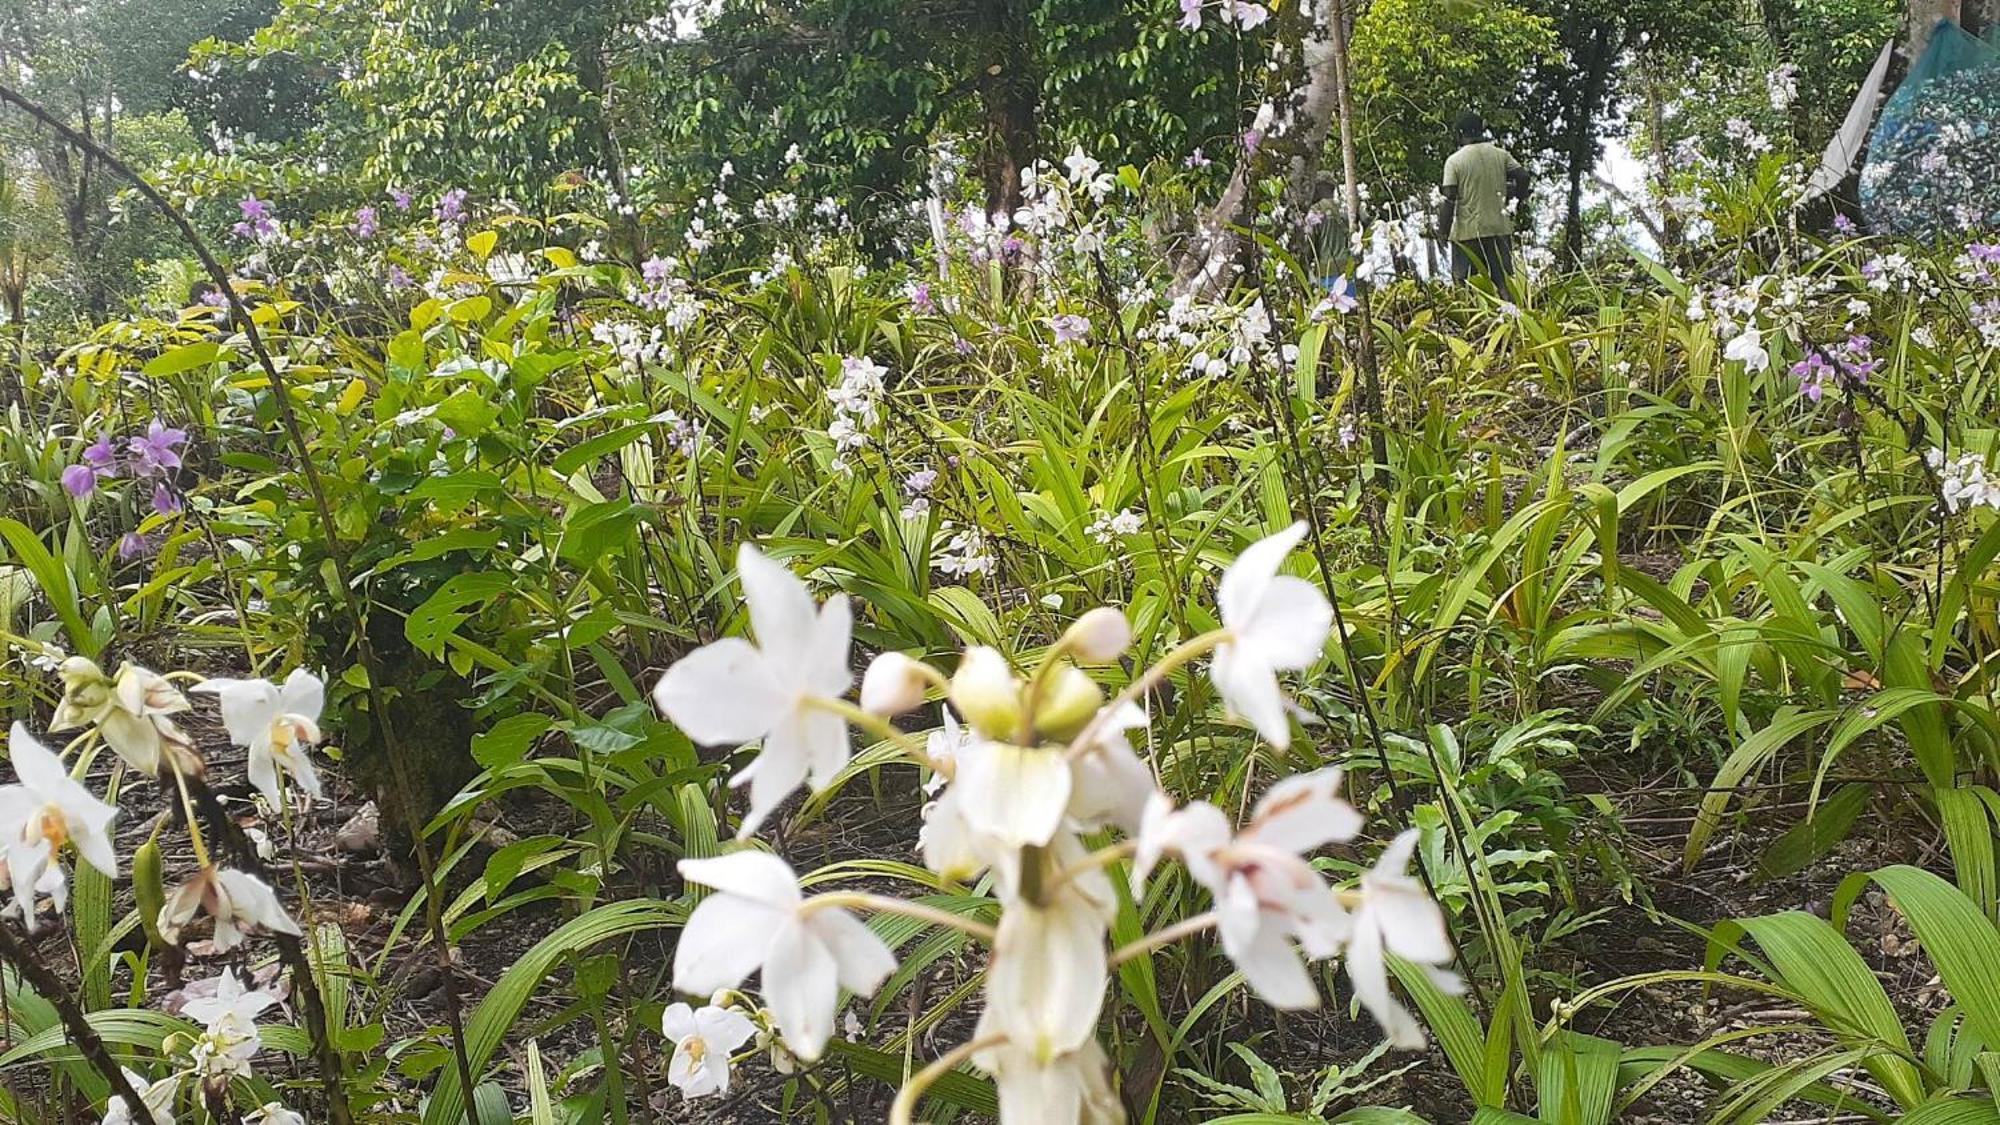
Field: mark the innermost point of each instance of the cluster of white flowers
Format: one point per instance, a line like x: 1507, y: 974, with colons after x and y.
x: 1023, y: 768
x: 47, y: 810
x: 635, y: 345
x: 662, y: 289
x: 1084, y: 172
x: 964, y: 553
x: 1782, y: 84
x: 856, y: 403
x: 776, y: 207
x: 1107, y: 527
x: 1962, y: 481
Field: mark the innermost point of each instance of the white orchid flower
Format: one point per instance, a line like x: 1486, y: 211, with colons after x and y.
x: 45, y: 810
x: 1276, y: 623
x: 230, y: 1011
x: 1015, y: 795
x: 1747, y: 348
x: 157, y: 1096
x: 1396, y: 915
x: 237, y: 900
x: 733, y: 691
x: 129, y: 711
x: 703, y: 1038
x: 276, y: 724
x: 1046, y: 980
x: 758, y: 920
x: 1071, y: 1089
x: 1267, y: 895
x: 273, y: 1113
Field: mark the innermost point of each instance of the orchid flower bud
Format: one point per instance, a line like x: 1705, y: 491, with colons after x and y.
x: 1068, y: 700
x: 986, y: 691
x: 892, y: 685
x: 1100, y: 636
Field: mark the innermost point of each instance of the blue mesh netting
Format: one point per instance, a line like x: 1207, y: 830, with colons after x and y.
x: 1934, y: 157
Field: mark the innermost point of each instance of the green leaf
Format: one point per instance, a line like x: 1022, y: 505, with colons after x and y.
x: 489, y: 1023
x: 467, y: 412
x: 1961, y: 942
x: 180, y: 359
x: 509, y: 739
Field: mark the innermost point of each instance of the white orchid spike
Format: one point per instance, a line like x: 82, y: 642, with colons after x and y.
x: 276, y: 724
x: 1397, y: 916
x: 238, y: 902
x: 734, y: 691
x: 1276, y: 623
x: 703, y: 1039
x: 759, y: 920
x: 45, y: 810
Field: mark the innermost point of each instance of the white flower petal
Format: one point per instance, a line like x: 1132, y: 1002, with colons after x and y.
x: 1249, y: 688
x: 35, y: 765
x: 782, y: 614
x: 862, y: 960
x: 248, y: 706
x: 725, y: 1029
x: 1245, y: 580
x: 1370, y: 975
x: 677, y: 1022
x: 1015, y: 794
x: 721, y: 693
x: 779, y: 769
x: 801, y: 985
x: 1290, y: 623
x: 304, y: 695
x: 1046, y: 981
x: 1304, y: 812
x: 724, y: 941
x: 760, y: 877
x: 253, y: 900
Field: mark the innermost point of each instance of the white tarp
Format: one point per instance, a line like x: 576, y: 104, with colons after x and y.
x: 1846, y: 146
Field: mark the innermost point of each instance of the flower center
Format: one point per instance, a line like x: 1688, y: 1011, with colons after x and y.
x: 48, y: 824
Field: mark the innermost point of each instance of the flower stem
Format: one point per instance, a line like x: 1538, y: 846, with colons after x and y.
x: 1102, y: 857
x: 906, y: 1099
x: 884, y: 904
x: 1181, y: 654
x: 881, y: 728
x: 187, y: 807
x: 1159, y: 939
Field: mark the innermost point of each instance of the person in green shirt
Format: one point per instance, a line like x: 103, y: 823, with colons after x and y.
x: 1478, y: 180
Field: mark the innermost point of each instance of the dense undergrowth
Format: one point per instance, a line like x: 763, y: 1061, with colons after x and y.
x: 1715, y: 533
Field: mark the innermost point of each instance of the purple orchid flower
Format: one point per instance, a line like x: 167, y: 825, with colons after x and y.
x: 132, y: 545
x: 451, y: 208
x: 400, y: 197
x: 166, y: 501
x: 79, y: 481
x: 158, y: 451
x: 366, y: 223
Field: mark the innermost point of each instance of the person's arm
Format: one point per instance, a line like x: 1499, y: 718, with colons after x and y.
x: 1517, y: 180
x: 1447, y: 212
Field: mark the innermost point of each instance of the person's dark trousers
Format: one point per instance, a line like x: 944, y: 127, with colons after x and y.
x: 1494, y: 257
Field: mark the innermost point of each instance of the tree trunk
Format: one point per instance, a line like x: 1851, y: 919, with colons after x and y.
x: 1583, y: 135
x: 1310, y: 124
x: 1009, y: 95
x: 1921, y: 18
